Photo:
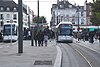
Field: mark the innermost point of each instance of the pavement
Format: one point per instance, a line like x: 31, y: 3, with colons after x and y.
x: 95, y: 46
x: 32, y: 56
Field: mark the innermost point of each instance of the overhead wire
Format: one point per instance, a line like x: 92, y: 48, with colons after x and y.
x: 40, y: 1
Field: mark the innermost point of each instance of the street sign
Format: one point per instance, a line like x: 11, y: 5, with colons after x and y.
x: 91, y: 29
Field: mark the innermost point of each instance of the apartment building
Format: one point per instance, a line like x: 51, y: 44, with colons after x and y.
x: 9, y: 13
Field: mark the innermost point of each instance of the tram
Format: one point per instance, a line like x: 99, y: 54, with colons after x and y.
x: 10, y: 31
x: 64, y: 32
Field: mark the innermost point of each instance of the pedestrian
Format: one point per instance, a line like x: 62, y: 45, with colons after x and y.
x: 79, y: 36
x: 45, y: 40
x: 29, y: 34
x: 96, y: 35
x: 91, y: 36
x: 40, y: 38
x: 35, y: 36
x: 85, y: 35
x: 46, y: 35
x: 25, y: 33
x: 99, y: 36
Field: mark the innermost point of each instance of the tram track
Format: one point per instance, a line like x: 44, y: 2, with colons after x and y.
x: 69, y: 60
x: 89, y: 63
x: 92, y: 55
x: 79, y: 52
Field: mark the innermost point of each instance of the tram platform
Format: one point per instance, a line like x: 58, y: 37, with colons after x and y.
x: 32, y: 56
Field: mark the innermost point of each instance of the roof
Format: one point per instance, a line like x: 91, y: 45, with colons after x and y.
x: 63, y: 5
x: 10, y: 4
x: 64, y: 23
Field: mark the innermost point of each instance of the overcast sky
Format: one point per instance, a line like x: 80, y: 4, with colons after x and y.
x: 45, y: 6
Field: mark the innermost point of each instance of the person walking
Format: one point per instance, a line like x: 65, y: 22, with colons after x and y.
x: 35, y: 36
x: 40, y: 38
x: 79, y: 36
x: 91, y: 36
x: 99, y: 36
x: 46, y: 35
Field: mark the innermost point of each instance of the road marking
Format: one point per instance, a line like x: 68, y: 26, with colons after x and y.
x: 90, y: 64
x: 58, y: 57
x: 85, y: 58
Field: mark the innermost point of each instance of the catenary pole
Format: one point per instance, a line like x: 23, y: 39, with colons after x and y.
x: 38, y: 13
x: 78, y: 19
x: 20, y: 26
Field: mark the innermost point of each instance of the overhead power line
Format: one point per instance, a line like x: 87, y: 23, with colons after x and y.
x: 45, y: 1
x: 40, y: 1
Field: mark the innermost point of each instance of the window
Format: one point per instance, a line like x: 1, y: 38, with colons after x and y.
x: 15, y: 9
x: 8, y: 16
x: 82, y: 21
x: 1, y: 8
x: 90, y: 13
x: 8, y: 8
x: 61, y: 6
x: 15, y: 21
x: 14, y: 16
x: 70, y: 6
x: 73, y: 22
x: 8, y: 21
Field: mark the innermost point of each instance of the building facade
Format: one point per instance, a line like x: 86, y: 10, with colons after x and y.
x: 88, y: 15
x: 65, y: 11
x: 9, y: 13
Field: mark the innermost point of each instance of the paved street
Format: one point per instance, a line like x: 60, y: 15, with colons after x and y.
x: 31, y: 57
x: 49, y: 56
x: 80, y: 54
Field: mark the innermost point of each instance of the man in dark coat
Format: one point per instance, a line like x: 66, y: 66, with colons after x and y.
x: 91, y: 36
x: 35, y: 36
x: 40, y: 38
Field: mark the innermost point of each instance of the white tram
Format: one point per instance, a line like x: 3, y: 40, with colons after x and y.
x: 64, y: 32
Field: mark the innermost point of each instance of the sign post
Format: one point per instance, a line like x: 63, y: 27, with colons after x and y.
x: 11, y: 21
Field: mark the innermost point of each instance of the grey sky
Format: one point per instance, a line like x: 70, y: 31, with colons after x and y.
x: 45, y: 6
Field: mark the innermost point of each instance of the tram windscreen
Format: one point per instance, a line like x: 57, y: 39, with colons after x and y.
x: 7, y: 29
x: 65, y: 29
